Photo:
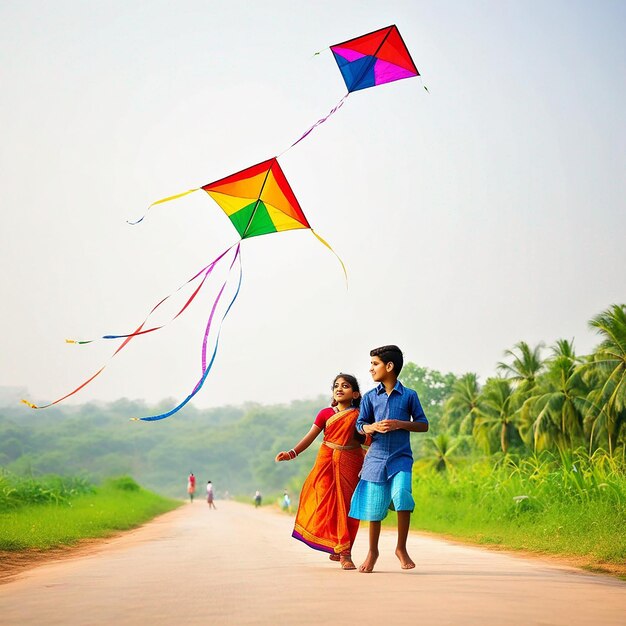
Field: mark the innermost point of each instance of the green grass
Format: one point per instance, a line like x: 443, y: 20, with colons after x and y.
x: 91, y: 512
x: 16, y: 491
x: 569, y: 506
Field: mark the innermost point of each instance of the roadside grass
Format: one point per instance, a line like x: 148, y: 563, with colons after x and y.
x: 59, y: 518
x: 569, y: 506
x: 16, y: 491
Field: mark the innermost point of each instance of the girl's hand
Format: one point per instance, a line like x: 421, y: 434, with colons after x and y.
x: 282, y: 456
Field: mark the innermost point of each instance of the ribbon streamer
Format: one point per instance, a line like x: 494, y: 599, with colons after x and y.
x: 138, y: 331
x: 161, y: 201
x: 205, y: 367
x: 207, y: 272
x: 318, y: 123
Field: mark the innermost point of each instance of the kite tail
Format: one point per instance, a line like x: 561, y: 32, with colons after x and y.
x: 45, y: 406
x: 236, y: 258
x: 318, y: 123
x: 206, y: 367
x: 139, y: 331
x: 345, y: 273
x: 161, y: 201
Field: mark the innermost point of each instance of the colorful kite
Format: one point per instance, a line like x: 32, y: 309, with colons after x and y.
x: 258, y: 201
x: 369, y: 60
x: 374, y: 59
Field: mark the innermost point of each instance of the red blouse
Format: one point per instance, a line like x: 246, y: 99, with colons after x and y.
x: 323, y: 416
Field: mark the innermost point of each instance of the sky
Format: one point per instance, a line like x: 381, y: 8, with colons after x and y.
x: 486, y: 211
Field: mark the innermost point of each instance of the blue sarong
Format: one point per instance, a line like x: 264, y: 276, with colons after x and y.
x: 371, y: 501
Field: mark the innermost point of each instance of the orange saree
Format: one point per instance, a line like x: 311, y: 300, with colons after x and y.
x: 322, y: 520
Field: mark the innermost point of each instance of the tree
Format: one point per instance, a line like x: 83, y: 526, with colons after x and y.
x: 432, y: 387
x: 461, y: 407
x: 496, y: 415
x: 439, y: 451
x: 554, y: 414
x: 607, y: 369
x: 525, y: 366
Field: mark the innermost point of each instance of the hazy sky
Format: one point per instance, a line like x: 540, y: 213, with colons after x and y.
x: 488, y: 211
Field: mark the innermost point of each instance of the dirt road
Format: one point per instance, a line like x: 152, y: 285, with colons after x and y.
x: 239, y: 565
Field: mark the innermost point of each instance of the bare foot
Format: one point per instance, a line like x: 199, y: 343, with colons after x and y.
x: 334, y: 557
x: 367, y: 567
x: 405, y: 560
x: 346, y: 562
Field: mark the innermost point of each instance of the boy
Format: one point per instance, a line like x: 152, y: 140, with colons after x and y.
x: 389, y: 413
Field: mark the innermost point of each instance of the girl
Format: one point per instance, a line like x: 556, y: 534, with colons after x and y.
x: 191, y: 486
x: 322, y: 520
x: 210, y: 495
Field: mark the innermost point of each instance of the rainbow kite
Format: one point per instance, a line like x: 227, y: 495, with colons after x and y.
x: 368, y: 61
x: 374, y: 59
x: 258, y: 201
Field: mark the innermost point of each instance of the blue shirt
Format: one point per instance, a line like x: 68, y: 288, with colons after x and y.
x: 390, y: 452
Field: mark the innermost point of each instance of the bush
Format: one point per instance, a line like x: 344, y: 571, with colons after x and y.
x: 123, y: 483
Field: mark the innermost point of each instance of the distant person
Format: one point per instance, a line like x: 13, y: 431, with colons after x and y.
x: 210, y: 495
x: 286, y: 502
x: 191, y: 486
x: 322, y: 520
x: 257, y: 499
x: 389, y: 414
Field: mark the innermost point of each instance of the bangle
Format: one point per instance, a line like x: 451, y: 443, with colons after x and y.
x: 292, y: 454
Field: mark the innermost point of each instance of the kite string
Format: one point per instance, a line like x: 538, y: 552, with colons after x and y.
x: 208, y: 367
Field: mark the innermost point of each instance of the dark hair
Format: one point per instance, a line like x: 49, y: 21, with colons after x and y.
x: 354, y: 383
x: 390, y: 354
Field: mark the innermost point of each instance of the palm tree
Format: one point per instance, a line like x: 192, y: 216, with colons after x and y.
x: 442, y: 448
x: 608, y: 371
x: 564, y: 348
x: 525, y: 367
x: 523, y: 371
x: 496, y: 414
x: 461, y: 408
x: 554, y: 413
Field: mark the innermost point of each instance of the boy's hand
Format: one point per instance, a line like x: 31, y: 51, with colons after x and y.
x: 384, y: 426
x: 389, y: 425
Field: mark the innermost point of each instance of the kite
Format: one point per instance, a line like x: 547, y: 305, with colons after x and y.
x: 258, y: 201
x: 374, y: 59
x: 368, y: 61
